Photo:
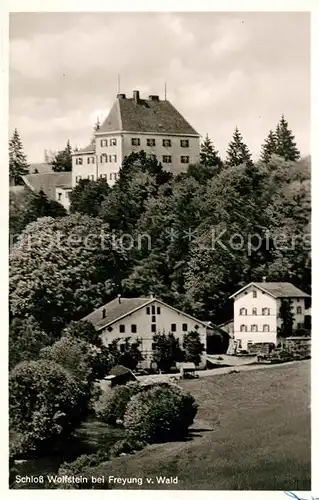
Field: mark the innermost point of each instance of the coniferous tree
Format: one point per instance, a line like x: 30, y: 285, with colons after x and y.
x: 237, y: 151
x: 62, y: 161
x: 18, y: 165
x: 286, y: 144
x: 209, y: 156
x: 269, y: 147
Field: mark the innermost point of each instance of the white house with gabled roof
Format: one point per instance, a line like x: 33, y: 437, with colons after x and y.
x: 257, y: 311
x: 134, y: 124
x: 140, y: 318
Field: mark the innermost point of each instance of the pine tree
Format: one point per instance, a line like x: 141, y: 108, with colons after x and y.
x: 269, y: 147
x: 62, y: 161
x: 209, y: 155
x: 286, y: 145
x: 237, y: 151
x: 18, y: 165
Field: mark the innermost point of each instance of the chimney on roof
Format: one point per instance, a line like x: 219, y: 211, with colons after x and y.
x: 136, y: 96
x: 121, y: 96
x: 153, y: 98
x: 264, y: 279
x: 151, y: 295
x: 103, y: 312
x: 119, y: 298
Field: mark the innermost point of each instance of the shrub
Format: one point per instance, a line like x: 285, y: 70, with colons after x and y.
x: 45, y: 401
x: 111, y: 405
x: 160, y: 413
x: 84, y: 461
x: 127, y: 446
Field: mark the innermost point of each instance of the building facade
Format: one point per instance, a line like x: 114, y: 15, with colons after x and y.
x: 132, y: 125
x: 257, y: 312
x: 140, y: 319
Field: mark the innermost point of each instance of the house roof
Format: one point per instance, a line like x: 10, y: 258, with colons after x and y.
x: 90, y: 148
x: 276, y: 289
x: 48, y: 182
x: 151, y: 116
x: 119, y: 370
x: 116, y: 310
x: 42, y: 168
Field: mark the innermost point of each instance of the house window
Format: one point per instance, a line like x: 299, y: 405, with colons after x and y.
x: 122, y: 348
x: 184, y: 159
x: 173, y: 327
x: 167, y: 143
x: 112, y: 142
x: 266, y: 311
x: 91, y: 177
x: 158, y: 310
x: 254, y: 294
x: 265, y: 328
x: 78, y: 178
x: 243, y: 328
x: 153, y: 319
x: 111, y: 176
x: 103, y: 176
x: 103, y: 143
x: 153, y: 309
x: 103, y: 158
x: 114, y: 158
x: 254, y: 328
x: 167, y: 159
x: 122, y: 328
x: 90, y: 159
x: 254, y: 311
x: 110, y: 158
x: 243, y: 311
x: 133, y: 328
x: 79, y: 161
x: 153, y: 328
x: 148, y: 310
x: 59, y: 196
x: 184, y: 327
x: 150, y: 142
x: 135, y: 141
x: 184, y: 143
x: 299, y: 310
x: 152, y: 157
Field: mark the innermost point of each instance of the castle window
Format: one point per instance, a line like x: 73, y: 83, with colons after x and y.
x: 112, y: 142
x: 90, y: 159
x: 254, y: 294
x: 184, y: 143
x: 79, y: 161
x: 59, y: 196
x: 254, y: 328
x: 110, y: 158
x: 173, y: 327
x: 153, y: 328
x: 91, y: 177
x: 167, y: 159
x: 133, y: 328
x: 78, y: 178
x: 243, y: 311
x: 184, y: 327
x: 299, y: 310
x: 265, y: 311
x: 152, y: 157
x: 153, y: 309
x: 167, y: 143
x: 135, y: 141
x: 243, y: 328
x: 148, y: 310
x: 122, y: 328
x: 153, y: 319
x: 158, y: 310
x: 184, y: 159
x: 114, y: 158
x: 103, y: 143
x: 103, y: 176
x: 150, y: 142
x: 265, y: 328
x: 254, y: 311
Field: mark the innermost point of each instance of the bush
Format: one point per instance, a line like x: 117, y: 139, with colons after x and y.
x: 45, y: 401
x: 84, y: 461
x: 111, y: 406
x: 160, y: 413
x: 126, y: 446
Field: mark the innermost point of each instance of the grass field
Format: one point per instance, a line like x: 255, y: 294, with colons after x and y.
x: 252, y: 431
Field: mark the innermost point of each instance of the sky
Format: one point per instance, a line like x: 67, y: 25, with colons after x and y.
x: 222, y: 70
